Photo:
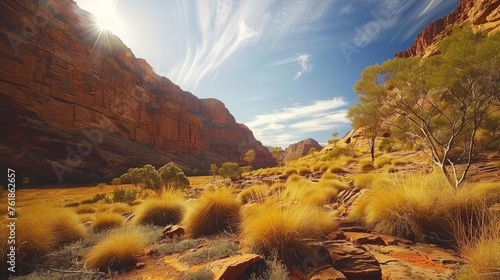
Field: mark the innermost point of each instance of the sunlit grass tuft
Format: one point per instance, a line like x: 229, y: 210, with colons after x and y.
x: 269, y: 227
x: 105, y: 221
x: 214, y: 212
x: 256, y: 193
x: 169, y: 209
x: 117, y: 251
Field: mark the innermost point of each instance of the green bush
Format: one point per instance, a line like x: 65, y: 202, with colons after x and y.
x: 173, y: 177
x: 230, y: 170
x: 337, y: 152
x: 116, y: 181
x: 123, y: 195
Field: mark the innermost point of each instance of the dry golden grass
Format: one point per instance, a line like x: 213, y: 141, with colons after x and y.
x: 303, y: 170
x: 169, y: 209
x: 336, y: 169
x: 269, y: 227
x: 39, y: 230
x: 421, y: 207
x: 256, y: 193
x: 366, y: 167
x: 290, y: 171
x: 105, y: 221
x: 86, y: 218
x: 382, y: 161
x: 214, y: 212
x: 120, y: 208
x: 117, y: 251
x: 85, y: 209
x: 304, y: 191
x: 361, y: 181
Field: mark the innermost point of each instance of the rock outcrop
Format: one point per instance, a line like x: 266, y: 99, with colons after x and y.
x: 85, y: 106
x: 300, y: 149
x: 482, y: 15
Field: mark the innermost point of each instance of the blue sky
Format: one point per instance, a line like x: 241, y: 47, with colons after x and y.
x: 285, y: 69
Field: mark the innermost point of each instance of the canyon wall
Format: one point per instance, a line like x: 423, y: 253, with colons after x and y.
x: 89, y: 108
x: 482, y: 15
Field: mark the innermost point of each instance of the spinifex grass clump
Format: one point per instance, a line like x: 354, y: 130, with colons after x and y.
x: 214, y: 212
x: 161, y: 211
x: 40, y: 230
x: 254, y: 194
x: 117, y: 251
x: 105, y: 221
x: 422, y: 208
x: 270, y: 227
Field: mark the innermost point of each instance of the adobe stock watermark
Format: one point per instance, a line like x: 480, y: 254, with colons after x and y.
x: 383, y: 19
x: 94, y: 136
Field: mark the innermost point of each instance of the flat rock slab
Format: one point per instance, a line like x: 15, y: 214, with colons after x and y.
x: 353, y: 261
x: 232, y: 268
x: 172, y: 231
x: 419, y: 261
x: 327, y: 273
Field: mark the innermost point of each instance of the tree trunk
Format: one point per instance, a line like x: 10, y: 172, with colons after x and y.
x: 371, y: 143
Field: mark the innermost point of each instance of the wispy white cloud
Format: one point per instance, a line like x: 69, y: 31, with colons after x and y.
x: 322, y: 115
x: 305, y: 65
x: 215, y: 31
x: 346, y: 10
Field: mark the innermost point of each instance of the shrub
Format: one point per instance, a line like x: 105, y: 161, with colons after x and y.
x: 117, y: 251
x: 116, y: 181
x: 161, y: 211
x: 337, y: 152
x: 328, y: 176
x: 96, y: 198
x: 72, y: 204
x: 386, y: 145
x: 256, y: 193
x: 366, y: 167
x: 105, y: 221
x: 230, y: 170
x: 123, y: 195
x: 214, y: 212
x: 101, y: 186
x: 268, y: 228
x: 173, y: 177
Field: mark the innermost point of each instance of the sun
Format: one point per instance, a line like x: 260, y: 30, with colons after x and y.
x: 106, y: 17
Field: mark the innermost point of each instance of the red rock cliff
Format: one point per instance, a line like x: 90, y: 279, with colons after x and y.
x: 300, y: 149
x: 483, y: 15
x: 59, y: 84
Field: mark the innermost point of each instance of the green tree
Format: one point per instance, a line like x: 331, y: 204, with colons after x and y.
x: 150, y: 178
x: 277, y: 153
x: 441, y: 103
x: 230, y: 170
x: 172, y: 176
x: 213, y: 169
x: 367, y: 115
x: 334, y: 139
x: 249, y: 157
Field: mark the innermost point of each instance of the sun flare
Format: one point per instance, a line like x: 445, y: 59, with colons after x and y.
x: 106, y: 16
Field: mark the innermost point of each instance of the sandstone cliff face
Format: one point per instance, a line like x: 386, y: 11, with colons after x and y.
x: 482, y: 15
x: 300, y: 149
x: 57, y: 85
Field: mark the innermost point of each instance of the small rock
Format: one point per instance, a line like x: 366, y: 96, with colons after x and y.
x: 364, y: 238
x: 233, y: 267
x: 140, y: 265
x: 171, y: 231
x: 327, y: 273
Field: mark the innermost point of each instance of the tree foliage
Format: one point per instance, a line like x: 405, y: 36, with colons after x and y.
x: 446, y: 104
x: 172, y: 176
x: 168, y: 176
x: 277, y: 153
x: 230, y: 170
x: 249, y: 157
